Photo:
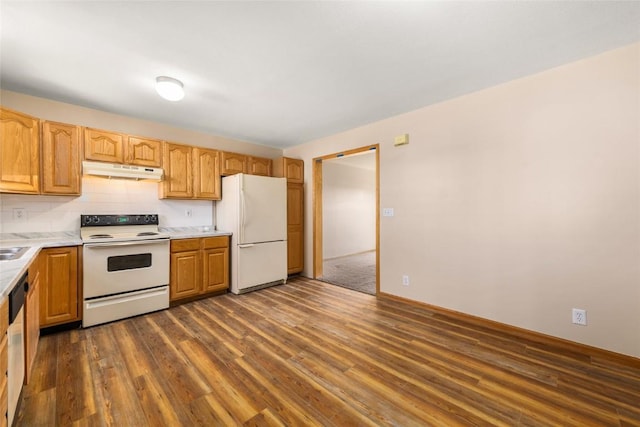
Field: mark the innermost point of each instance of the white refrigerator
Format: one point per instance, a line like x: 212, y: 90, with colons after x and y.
x: 254, y: 209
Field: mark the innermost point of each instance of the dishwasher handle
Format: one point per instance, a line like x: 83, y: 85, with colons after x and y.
x: 16, y: 297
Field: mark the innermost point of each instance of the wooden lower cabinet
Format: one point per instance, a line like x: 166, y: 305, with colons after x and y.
x: 59, y: 286
x: 199, y: 267
x: 32, y: 318
x: 4, y: 360
x: 185, y: 279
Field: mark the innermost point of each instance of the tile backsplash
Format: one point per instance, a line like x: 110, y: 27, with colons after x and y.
x: 100, y: 196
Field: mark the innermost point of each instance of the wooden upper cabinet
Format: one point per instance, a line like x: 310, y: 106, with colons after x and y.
x: 177, y: 161
x: 19, y: 153
x: 232, y: 163
x: 206, y: 174
x: 259, y: 166
x: 103, y: 146
x: 292, y: 169
x: 60, y: 158
x: 143, y: 152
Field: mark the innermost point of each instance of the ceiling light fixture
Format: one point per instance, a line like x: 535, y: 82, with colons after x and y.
x: 169, y: 88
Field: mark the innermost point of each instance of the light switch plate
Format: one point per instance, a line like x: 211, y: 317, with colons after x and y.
x: 387, y: 212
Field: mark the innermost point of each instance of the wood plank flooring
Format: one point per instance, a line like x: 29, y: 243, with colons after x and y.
x: 309, y: 353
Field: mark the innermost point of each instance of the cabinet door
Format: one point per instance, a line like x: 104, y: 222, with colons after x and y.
x: 143, y: 152
x: 103, y: 146
x: 295, y: 228
x: 60, y: 158
x: 233, y: 163
x: 259, y: 166
x: 177, y: 162
x: 32, y: 319
x: 4, y: 362
x: 215, y: 269
x: 185, y: 275
x: 19, y: 153
x: 206, y: 174
x: 294, y: 170
x: 59, y: 286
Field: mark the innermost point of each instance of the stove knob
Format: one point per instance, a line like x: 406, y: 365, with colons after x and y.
x: 146, y: 218
x: 95, y: 219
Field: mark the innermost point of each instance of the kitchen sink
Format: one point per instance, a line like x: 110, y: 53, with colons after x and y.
x: 8, y: 254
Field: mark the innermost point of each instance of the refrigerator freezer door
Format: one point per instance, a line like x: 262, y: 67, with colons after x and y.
x: 258, y: 264
x: 263, y: 209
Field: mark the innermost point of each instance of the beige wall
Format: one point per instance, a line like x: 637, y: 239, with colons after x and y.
x: 349, y: 207
x: 62, y: 213
x: 68, y: 113
x: 517, y: 203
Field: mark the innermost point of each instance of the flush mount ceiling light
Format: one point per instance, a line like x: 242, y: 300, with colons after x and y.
x: 169, y: 88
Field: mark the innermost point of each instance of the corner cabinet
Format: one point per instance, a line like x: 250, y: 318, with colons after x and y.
x: 293, y: 170
x: 60, y: 158
x: 59, y: 286
x: 199, y: 267
x: 19, y: 153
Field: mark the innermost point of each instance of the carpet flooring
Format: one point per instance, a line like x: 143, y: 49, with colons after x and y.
x: 357, y: 272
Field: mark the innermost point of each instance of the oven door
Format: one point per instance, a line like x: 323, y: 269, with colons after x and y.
x: 114, y: 268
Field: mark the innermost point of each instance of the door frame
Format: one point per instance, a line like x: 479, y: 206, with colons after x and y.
x: 317, y: 208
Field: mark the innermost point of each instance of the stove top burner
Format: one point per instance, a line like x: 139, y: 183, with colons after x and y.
x: 101, y: 236
x: 147, y: 233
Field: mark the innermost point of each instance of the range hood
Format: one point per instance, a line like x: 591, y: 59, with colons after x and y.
x: 114, y: 170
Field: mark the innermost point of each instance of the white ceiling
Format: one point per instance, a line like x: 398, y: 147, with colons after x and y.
x: 283, y: 73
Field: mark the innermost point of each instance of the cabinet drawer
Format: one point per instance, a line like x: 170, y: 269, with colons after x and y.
x: 185, y: 245
x: 4, y: 317
x: 215, y: 242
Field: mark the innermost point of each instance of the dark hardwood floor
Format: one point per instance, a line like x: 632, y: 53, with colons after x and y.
x: 309, y: 353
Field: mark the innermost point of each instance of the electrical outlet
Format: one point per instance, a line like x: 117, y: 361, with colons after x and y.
x: 579, y: 316
x: 387, y: 212
x: 20, y: 214
x: 188, y: 213
x: 405, y: 280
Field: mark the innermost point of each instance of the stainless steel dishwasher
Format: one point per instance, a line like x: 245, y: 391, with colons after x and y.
x: 15, y: 339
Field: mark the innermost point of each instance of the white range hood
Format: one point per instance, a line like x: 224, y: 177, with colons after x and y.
x: 114, y: 170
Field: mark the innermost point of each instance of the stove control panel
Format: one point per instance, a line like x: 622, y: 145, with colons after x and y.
x: 110, y: 220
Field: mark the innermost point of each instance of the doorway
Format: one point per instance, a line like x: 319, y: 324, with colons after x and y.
x: 346, y: 219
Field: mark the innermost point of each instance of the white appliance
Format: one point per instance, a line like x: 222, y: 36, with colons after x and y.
x: 15, y: 350
x: 254, y: 209
x: 125, y: 267
x: 115, y: 170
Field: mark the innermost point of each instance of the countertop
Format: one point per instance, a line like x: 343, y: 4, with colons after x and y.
x: 12, y: 271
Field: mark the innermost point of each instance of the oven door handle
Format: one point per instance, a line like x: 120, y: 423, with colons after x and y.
x: 132, y: 243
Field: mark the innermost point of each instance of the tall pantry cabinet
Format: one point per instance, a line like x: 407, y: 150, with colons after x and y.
x: 293, y: 170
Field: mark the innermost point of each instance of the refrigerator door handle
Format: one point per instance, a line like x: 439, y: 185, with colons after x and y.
x: 242, y: 213
x: 248, y: 245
